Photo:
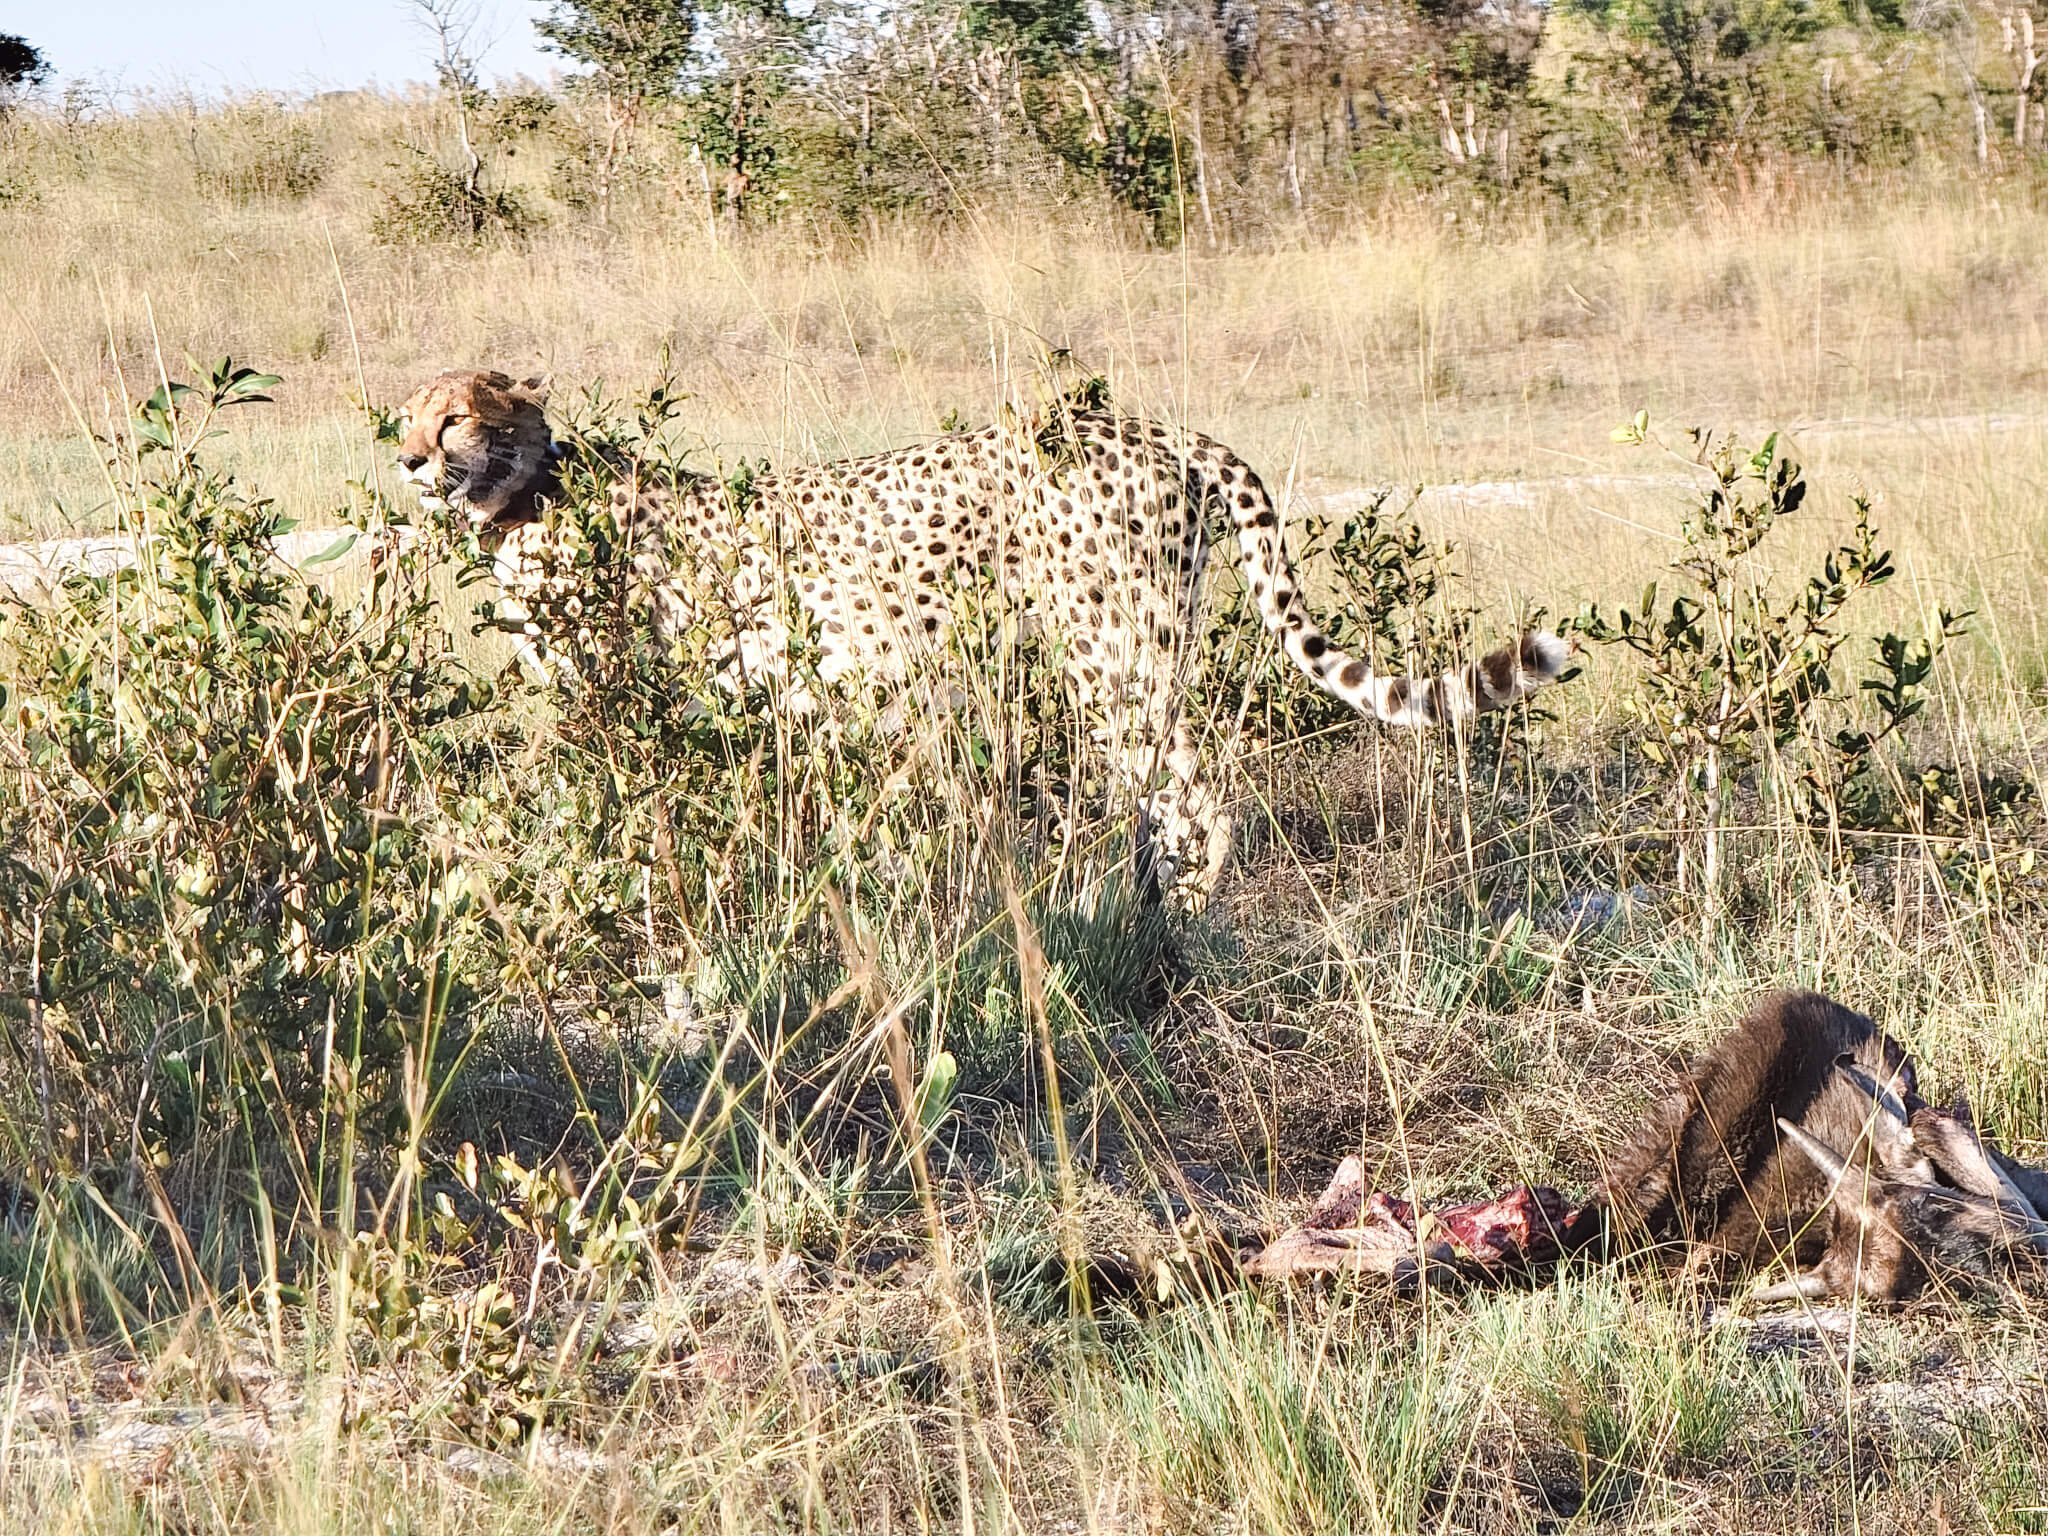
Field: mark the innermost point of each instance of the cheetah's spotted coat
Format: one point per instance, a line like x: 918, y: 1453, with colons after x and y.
x: 1103, y: 541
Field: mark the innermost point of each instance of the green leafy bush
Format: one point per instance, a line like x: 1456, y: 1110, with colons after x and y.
x: 231, y: 865
x: 1742, y: 679
x: 427, y: 203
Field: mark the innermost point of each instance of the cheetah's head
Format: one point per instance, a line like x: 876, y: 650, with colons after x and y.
x: 477, y: 443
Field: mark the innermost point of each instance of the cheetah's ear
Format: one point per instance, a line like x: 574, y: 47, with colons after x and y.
x: 536, y: 388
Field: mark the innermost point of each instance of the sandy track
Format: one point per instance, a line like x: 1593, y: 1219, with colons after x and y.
x: 32, y: 571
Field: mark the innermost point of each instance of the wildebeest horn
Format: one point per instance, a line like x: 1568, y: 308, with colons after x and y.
x: 1810, y: 1286
x: 1880, y: 1093
x: 1890, y: 1131
x: 1954, y: 1148
x: 1823, y: 1156
x: 1951, y: 1142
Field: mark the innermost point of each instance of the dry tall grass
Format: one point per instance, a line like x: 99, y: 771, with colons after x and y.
x: 1895, y: 340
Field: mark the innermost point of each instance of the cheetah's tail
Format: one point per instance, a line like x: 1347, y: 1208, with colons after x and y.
x: 1495, y: 681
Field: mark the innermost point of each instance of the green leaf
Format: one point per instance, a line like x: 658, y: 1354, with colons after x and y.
x: 248, y: 389
x: 935, y: 1090
x: 334, y: 551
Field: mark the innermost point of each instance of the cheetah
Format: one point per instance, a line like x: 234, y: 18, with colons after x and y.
x: 1097, y: 528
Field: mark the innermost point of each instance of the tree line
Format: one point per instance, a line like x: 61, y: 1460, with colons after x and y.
x: 1216, y: 117
x: 1210, y: 115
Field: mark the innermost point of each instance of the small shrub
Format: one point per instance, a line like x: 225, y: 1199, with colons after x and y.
x: 429, y: 204
x: 1743, y: 679
x: 234, y: 890
x: 18, y: 189
x: 506, y: 115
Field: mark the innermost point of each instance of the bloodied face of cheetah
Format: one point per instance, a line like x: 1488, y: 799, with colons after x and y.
x: 1097, y: 526
x: 478, y: 442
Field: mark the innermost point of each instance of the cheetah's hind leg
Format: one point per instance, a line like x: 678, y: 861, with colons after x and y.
x: 1184, y: 830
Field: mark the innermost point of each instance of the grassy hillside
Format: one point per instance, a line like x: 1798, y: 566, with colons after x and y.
x: 434, y: 1104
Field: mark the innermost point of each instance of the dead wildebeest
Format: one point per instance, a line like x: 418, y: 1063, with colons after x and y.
x: 1799, y: 1136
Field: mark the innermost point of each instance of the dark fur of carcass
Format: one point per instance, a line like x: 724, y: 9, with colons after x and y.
x: 1798, y: 1136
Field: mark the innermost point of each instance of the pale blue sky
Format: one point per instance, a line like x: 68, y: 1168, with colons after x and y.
x: 217, y: 46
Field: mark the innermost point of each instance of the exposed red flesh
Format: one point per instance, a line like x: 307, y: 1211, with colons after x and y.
x: 1523, y: 1224
x: 1353, y: 1229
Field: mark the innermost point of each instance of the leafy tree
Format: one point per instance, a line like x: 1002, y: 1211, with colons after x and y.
x: 636, y: 53
x: 1703, y: 68
x: 636, y: 50
x: 22, y: 68
x: 1048, y: 31
x: 762, y: 48
x: 452, y: 25
x: 432, y: 200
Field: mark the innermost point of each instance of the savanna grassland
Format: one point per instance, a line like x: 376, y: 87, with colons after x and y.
x: 432, y: 1103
